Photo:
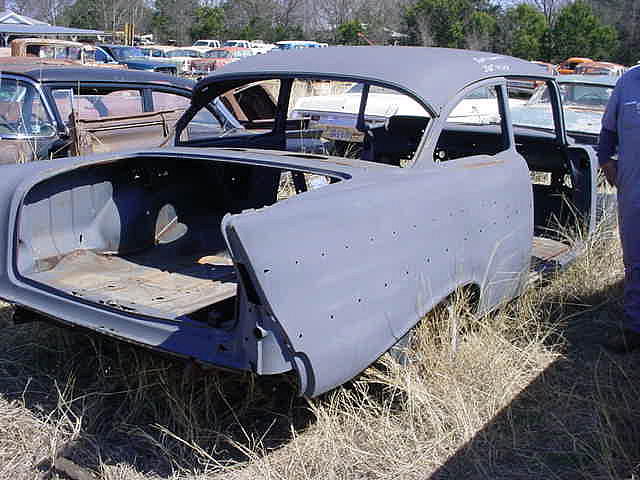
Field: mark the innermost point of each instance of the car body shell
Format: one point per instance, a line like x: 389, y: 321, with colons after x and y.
x: 327, y: 280
x: 126, y: 129
x: 78, y: 53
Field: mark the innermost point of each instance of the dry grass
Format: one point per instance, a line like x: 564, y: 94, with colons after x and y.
x: 527, y: 392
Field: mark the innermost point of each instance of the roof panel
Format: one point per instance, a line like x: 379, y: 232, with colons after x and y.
x: 44, y: 29
x: 57, y: 73
x: 433, y: 74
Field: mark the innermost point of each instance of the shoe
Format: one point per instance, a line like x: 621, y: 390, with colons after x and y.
x: 625, y: 342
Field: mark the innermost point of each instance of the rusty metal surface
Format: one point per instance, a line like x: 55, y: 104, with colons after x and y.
x: 166, y: 287
x: 123, y: 132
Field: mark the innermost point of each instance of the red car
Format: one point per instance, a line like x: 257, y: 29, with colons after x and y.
x: 215, y: 59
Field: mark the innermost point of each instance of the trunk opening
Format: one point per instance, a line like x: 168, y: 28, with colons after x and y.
x: 143, y: 235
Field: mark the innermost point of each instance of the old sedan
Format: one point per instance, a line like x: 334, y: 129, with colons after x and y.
x: 235, y: 252
x: 52, y: 111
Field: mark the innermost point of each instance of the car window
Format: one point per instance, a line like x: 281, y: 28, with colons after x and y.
x: 477, y: 114
x: 169, y: 101
x: 184, y: 53
x: 479, y: 107
x: 583, y: 106
x: 246, y: 110
x: 328, y: 112
x: 22, y: 111
x: 101, y: 56
x: 218, y: 54
x: 93, y: 102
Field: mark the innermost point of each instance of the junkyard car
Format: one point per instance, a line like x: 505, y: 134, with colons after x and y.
x: 568, y: 67
x: 232, y: 251
x: 112, y: 110
x: 207, y: 43
x: 584, y: 99
x: 601, y: 68
x: 218, y: 58
x: 185, y: 57
x: 47, y: 48
x: 133, y: 58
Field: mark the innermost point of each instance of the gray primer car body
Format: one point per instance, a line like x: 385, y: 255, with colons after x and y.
x: 327, y: 280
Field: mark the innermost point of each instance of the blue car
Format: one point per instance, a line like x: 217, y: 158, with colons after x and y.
x: 134, y: 58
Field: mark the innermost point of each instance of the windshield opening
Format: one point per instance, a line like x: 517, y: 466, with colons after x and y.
x: 22, y: 111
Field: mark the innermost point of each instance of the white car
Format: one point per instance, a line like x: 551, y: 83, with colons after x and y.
x: 259, y: 46
x: 341, y: 111
x: 184, y: 56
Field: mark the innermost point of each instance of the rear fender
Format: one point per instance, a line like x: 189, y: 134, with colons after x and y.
x: 340, y: 278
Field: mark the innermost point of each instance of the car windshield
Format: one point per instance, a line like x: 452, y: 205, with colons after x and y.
x: 234, y: 43
x: 201, y: 43
x: 22, y: 112
x: 217, y: 54
x: 184, y: 53
x: 126, y: 53
x: 576, y: 96
x: 583, y: 107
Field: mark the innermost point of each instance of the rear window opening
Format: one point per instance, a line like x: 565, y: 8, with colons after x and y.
x: 328, y: 117
x: 145, y: 234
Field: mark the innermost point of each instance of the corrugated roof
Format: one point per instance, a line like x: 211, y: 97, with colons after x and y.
x: 14, y: 23
x: 44, y: 29
x: 9, y: 17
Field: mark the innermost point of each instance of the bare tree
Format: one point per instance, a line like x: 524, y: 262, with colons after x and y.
x: 46, y: 10
x: 549, y: 7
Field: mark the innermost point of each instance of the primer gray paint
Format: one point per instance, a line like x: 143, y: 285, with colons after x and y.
x: 332, y: 278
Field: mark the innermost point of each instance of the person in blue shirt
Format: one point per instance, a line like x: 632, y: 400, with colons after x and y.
x: 620, y: 135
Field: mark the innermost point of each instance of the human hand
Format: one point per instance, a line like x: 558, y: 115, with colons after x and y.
x: 610, y: 170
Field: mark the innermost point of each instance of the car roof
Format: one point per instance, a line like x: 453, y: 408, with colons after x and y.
x: 434, y: 75
x: 578, y: 59
x: 605, y: 80
x: 58, y: 73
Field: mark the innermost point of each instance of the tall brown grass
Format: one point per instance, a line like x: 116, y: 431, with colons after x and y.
x: 524, y: 392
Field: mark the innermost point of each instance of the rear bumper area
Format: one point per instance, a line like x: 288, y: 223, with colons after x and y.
x: 186, y: 339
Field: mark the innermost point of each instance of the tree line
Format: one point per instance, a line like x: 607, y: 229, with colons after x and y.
x: 550, y: 30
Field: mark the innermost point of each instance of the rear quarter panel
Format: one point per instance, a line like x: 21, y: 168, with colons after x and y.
x: 347, y: 270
